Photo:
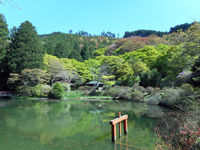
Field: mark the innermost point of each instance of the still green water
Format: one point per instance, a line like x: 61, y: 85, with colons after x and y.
x: 75, y: 125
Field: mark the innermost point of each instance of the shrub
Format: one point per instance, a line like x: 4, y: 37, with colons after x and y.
x: 125, y: 93
x: 171, y: 97
x: 121, y: 92
x: 137, y: 96
x: 179, y: 131
x: 139, y: 88
x: 86, y: 90
x: 149, y: 90
x: 57, y: 91
x: 154, y: 99
x: 41, y: 90
x: 113, y: 91
x: 188, y: 89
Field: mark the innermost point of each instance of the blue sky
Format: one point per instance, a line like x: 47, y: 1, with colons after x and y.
x: 95, y: 16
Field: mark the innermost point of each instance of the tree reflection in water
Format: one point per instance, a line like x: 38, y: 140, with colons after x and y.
x: 75, y: 124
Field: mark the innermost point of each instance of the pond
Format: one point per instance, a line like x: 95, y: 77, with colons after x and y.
x: 75, y: 125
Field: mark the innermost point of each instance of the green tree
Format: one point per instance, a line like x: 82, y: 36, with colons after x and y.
x: 49, y: 49
x: 61, y: 50
x: 28, y: 78
x: 77, y: 48
x: 3, y: 37
x: 26, y: 51
x: 85, y: 53
x: 53, y: 66
x: 81, y: 69
x: 147, y: 54
x: 75, y: 55
x: 150, y: 78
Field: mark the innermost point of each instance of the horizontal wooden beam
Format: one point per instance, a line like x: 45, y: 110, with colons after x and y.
x: 114, y: 121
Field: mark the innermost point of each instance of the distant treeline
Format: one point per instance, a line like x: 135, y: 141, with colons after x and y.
x: 145, y: 33
x: 83, y: 33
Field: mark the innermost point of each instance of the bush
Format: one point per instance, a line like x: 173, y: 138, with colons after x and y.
x: 139, y: 88
x: 179, y: 131
x: 188, y: 89
x: 86, y: 90
x: 171, y: 97
x: 137, y: 96
x: 41, y: 90
x: 149, y: 90
x: 154, y: 99
x: 125, y: 93
x: 121, y: 92
x: 112, y: 91
x: 57, y: 91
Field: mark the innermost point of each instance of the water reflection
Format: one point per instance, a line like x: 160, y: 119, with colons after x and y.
x: 75, y: 124
x: 6, y: 103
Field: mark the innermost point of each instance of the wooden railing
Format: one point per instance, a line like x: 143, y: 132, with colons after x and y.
x: 118, y: 120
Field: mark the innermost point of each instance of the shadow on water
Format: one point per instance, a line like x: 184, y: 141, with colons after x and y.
x: 75, y: 125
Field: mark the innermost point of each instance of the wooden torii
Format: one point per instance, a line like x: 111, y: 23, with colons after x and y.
x: 118, y: 120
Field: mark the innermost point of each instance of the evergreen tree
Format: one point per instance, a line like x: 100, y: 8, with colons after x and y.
x: 75, y: 55
x: 3, y: 37
x: 49, y: 49
x: 77, y: 48
x: 85, y: 53
x: 61, y: 50
x: 26, y: 51
x: 91, y: 50
x: 3, y: 50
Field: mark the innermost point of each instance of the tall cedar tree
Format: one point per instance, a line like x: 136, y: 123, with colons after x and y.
x: 26, y: 51
x: 85, y: 53
x: 4, y: 33
x: 75, y: 55
x: 61, y: 50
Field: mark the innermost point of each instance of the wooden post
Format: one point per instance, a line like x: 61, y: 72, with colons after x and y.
x: 113, y: 129
x: 119, y: 115
x: 125, y: 126
x: 113, y: 125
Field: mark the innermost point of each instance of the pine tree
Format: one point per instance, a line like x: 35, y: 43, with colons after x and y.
x: 4, y: 33
x: 26, y: 51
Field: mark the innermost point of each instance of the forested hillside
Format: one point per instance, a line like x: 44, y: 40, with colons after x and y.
x: 145, y: 33
x: 74, y: 46
x: 150, y: 61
